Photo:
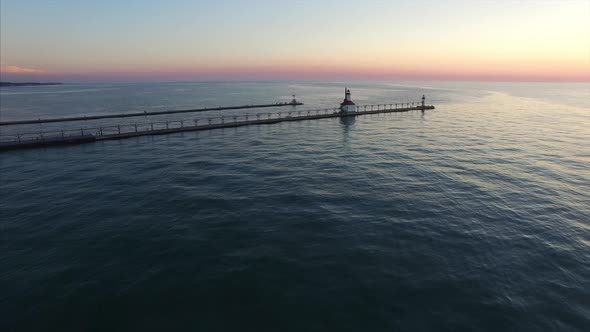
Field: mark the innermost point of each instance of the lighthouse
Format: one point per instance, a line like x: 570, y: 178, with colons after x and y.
x: 347, y: 106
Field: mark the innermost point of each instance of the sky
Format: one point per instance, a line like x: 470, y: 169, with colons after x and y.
x: 176, y: 40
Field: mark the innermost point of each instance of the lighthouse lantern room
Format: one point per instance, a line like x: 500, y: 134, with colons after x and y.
x: 347, y: 106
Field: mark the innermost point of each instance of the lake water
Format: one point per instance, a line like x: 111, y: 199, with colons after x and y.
x: 471, y: 217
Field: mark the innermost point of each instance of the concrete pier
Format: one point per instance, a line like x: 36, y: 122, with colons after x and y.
x: 85, y: 135
x: 129, y: 115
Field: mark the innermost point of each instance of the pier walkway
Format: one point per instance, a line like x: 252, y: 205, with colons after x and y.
x: 31, y: 139
x: 129, y: 115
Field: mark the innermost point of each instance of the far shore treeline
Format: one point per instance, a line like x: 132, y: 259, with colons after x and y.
x: 27, y: 83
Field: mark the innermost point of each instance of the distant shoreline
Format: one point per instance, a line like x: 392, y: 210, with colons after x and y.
x: 5, y: 84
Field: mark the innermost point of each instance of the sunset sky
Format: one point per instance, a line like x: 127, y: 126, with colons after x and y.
x: 135, y: 41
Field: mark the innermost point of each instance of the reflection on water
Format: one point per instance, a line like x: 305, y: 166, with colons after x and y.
x: 347, y: 122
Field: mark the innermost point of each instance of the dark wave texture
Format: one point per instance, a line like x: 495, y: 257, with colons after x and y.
x: 472, y: 217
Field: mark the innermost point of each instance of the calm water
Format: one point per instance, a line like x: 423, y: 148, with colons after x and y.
x: 472, y: 217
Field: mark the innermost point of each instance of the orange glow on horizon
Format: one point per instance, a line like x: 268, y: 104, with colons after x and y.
x: 421, y: 65
x: 497, y: 70
x: 458, y: 71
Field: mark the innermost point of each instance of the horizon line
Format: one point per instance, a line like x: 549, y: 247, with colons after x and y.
x: 327, y: 80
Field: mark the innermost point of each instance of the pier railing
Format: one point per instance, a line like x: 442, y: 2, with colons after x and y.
x: 144, y: 128
x: 109, y: 130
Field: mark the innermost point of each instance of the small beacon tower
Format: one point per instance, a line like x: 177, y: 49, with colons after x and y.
x: 347, y: 106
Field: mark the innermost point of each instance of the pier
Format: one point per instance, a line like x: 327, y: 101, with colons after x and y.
x: 36, y: 139
x: 129, y: 115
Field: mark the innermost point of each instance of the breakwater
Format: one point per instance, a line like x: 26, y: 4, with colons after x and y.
x: 136, y: 114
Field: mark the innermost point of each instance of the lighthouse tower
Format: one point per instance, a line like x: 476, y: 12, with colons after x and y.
x: 347, y: 106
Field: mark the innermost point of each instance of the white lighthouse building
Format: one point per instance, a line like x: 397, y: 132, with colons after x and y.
x: 347, y: 106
